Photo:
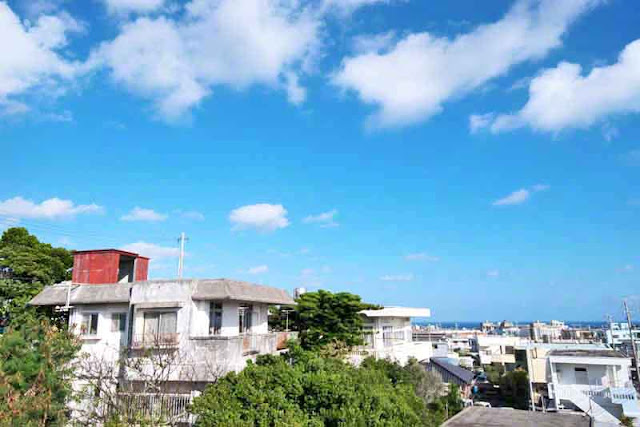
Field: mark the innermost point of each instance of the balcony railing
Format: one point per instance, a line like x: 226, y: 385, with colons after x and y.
x: 160, y: 340
x: 168, y: 409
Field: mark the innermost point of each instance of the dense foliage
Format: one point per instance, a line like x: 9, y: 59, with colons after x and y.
x: 327, y: 318
x: 303, y: 388
x: 35, y: 373
x: 26, y: 265
x: 514, y: 387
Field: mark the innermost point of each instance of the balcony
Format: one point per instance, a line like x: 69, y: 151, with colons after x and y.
x: 154, y: 341
x: 400, y: 352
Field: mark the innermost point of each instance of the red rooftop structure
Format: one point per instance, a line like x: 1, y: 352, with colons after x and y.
x: 102, y: 266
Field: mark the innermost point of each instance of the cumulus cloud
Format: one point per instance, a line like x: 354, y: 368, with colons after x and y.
x: 397, y: 278
x: 493, y: 273
x: 563, y: 98
x: 141, y: 214
x: 261, y: 217
x: 410, y: 81
x: 517, y: 197
x: 151, y: 250
x: 32, y: 57
x: 176, y: 62
x: 53, y: 208
x: 520, y: 196
x: 258, y: 269
x: 139, y: 6
x: 325, y: 219
x: 421, y: 256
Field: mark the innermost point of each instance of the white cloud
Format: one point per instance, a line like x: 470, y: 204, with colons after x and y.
x: 192, y: 215
x: 477, y: 122
x: 325, y: 219
x: 258, y: 269
x: 517, y: 197
x: 348, y: 6
x: 141, y: 214
x: 32, y: 57
x: 262, y: 217
x: 562, y: 98
x: 175, y: 63
x: 151, y: 250
x: 397, y: 278
x: 493, y: 273
x: 421, y: 256
x: 139, y: 6
x: 520, y: 196
x: 54, y: 208
x: 411, y: 81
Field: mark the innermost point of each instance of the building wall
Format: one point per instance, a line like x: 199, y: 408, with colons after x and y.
x: 106, y: 345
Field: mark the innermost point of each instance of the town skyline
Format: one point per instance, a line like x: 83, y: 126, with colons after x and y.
x: 308, y: 163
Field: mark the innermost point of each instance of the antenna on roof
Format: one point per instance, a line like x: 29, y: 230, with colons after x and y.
x: 181, y: 239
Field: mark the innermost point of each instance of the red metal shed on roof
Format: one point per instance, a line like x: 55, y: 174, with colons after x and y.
x: 101, y: 266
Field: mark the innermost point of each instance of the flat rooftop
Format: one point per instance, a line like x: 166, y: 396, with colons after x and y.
x: 507, y: 417
x: 586, y: 353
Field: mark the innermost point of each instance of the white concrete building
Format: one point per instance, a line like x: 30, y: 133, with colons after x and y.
x: 618, y: 336
x: 496, y: 349
x: 598, y: 382
x: 388, y: 335
x: 159, y: 342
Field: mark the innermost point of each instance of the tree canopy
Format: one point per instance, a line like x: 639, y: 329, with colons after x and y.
x: 326, y: 318
x: 303, y: 388
x: 26, y: 265
x: 35, y: 373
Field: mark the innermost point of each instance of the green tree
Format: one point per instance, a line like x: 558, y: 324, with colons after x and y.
x: 35, y: 373
x: 26, y: 266
x: 514, y: 387
x: 306, y: 389
x: 326, y: 318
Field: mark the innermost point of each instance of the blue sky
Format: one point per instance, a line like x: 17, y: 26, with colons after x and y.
x: 478, y: 158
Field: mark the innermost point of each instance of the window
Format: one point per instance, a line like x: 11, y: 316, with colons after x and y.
x: 215, y: 318
x: 118, y: 322
x: 245, y: 313
x: 159, y: 323
x: 387, y: 336
x: 89, y: 324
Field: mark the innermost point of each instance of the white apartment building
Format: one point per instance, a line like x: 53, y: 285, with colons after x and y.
x: 618, y: 336
x: 598, y: 382
x: 587, y: 377
x: 203, y: 328
x: 388, y: 335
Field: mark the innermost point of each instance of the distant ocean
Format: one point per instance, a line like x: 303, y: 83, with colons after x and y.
x: 476, y: 325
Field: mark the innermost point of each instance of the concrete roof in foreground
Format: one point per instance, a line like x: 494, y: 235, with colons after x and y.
x: 398, y: 312
x: 202, y: 289
x: 476, y: 416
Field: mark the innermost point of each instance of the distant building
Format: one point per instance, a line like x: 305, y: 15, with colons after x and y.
x: 543, y: 332
x: 297, y: 292
x: 618, y: 336
x: 496, y: 349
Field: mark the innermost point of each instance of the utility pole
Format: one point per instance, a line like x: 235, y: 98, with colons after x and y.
x: 182, y: 239
x: 633, y: 341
